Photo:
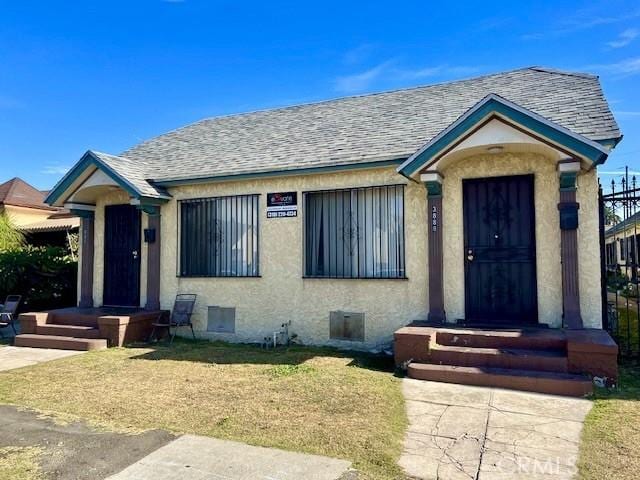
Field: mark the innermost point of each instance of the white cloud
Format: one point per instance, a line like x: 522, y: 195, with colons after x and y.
x: 359, y: 82
x: 623, y: 68
x: 625, y: 38
x: 358, y: 54
x: 55, y: 169
x: 581, y: 21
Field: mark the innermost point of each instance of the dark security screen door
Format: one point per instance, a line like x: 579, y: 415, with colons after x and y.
x: 500, y: 253
x: 122, y: 256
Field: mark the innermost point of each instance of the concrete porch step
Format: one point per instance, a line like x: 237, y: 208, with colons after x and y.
x: 76, y: 331
x: 553, y: 383
x: 529, y: 339
x: 59, y: 342
x: 513, y: 358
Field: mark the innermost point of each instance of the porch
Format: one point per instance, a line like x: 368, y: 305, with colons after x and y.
x: 553, y: 361
x: 85, y: 328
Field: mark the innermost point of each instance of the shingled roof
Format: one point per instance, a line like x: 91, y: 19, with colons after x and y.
x: 388, y: 126
x: 365, y: 128
x: 19, y: 193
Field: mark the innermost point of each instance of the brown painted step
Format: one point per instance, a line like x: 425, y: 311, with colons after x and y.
x: 527, y: 380
x: 524, y: 339
x: 76, y: 331
x: 59, y: 342
x: 515, y: 358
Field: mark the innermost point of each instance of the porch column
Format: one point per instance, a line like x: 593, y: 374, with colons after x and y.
x: 568, y: 207
x: 86, y: 274
x: 152, y: 238
x: 433, y: 182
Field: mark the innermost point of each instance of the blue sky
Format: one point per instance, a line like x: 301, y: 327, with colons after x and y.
x: 106, y: 75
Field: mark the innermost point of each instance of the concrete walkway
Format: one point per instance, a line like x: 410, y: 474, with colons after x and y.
x: 18, y: 357
x: 464, y: 432
x: 201, y: 458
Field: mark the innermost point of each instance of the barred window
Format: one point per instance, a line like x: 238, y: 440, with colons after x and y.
x: 219, y: 236
x: 355, y: 233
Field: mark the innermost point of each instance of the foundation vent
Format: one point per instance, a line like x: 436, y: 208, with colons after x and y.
x: 221, y: 319
x: 346, y: 326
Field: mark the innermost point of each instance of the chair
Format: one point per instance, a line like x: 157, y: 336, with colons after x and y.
x: 8, y: 313
x: 180, y: 316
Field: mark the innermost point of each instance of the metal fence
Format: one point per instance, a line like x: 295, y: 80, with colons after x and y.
x: 619, y: 244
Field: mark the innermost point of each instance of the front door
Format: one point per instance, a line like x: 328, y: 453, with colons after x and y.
x: 121, y: 256
x: 499, y: 251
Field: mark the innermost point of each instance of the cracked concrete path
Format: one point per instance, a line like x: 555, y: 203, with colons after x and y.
x: 464, y: 432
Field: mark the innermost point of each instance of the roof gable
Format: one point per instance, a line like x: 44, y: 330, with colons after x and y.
x: 495, y: 106
x: 19, y: 193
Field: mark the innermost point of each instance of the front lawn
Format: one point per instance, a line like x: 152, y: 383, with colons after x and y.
x: 611, y: 436
x: 19, y: 463
x: 309, y: 400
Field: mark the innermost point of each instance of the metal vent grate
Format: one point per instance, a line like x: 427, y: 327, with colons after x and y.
x: 346, y: 326
x: 221, y: 319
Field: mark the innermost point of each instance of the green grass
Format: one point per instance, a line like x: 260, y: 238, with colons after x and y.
x: 310, y: 400
x: 20, y: 463
x: 627, y: 334
x: 611, y: 436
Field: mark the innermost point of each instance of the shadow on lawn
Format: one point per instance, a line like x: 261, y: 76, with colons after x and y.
x: 206, y: 351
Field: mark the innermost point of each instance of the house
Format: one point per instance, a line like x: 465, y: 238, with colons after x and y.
x: 41, y: 223
x: 621, y: 245
x: 472, y: 202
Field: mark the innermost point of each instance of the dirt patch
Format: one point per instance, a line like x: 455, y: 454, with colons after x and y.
x: 74, y: 450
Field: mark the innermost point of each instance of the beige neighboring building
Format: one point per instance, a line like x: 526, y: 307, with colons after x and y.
x: 42, y: 223
x: 474, y: 202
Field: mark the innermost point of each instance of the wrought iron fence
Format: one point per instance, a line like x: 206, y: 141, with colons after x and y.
x: 619, y: 244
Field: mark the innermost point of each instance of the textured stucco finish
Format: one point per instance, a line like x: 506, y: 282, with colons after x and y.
x: 281, y: 294
x: 546, y: 198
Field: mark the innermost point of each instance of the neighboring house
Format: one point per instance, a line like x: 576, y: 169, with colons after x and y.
x: 41, y: 223
x: 452, y: 202
x: 621, y: 245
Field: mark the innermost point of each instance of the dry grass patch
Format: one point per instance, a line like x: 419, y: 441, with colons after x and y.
x: 609, y: 446
x: 20, y: 463
x: 310, y: 400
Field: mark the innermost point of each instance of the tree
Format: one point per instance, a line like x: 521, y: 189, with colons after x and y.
x: 10, y: 237
x: 610, y: 216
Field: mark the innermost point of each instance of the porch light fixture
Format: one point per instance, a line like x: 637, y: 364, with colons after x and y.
x: 495, y: 149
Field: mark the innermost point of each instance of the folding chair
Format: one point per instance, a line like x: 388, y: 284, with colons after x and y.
x: 180, y: 317
x: 8, y: 313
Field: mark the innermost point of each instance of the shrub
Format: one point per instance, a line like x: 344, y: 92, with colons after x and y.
x: 44, y: 276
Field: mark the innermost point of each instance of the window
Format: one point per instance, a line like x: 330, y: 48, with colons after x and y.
x: 219, y: 237
x: 355, y: 233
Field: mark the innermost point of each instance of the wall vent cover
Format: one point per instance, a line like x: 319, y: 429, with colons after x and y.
x: 221, y: 319
x: 346, y: 326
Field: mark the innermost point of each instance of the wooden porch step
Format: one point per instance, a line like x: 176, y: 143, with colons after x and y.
x: 532, y: 381
x: 513, y: 358
x: 59, y: 342
x: 529, y: 339
x: 76, y: 331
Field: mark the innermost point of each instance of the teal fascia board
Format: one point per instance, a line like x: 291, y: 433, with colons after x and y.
x: 87, y: 160
x: 277, y: 173
x: 528, y: 120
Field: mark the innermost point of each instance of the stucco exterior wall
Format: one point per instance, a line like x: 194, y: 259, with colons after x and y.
x: 281, y: 294
x: 21, y: 216
x: 546, y: 198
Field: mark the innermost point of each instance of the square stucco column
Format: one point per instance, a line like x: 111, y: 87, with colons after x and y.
x: 87, y: 228
x: 153, y: 259
x: 433, y: 183
x: 568, y: 208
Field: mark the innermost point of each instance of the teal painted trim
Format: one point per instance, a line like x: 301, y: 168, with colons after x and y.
x: 277, y: 173
x: 82, y: 213
x: 87, y: 160
x: 434, y: 189
x: 568, y: 181
x: 528, y: 120
x: 151, y: 210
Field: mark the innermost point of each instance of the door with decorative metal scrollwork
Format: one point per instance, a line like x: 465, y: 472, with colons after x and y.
x: 499, y: 251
